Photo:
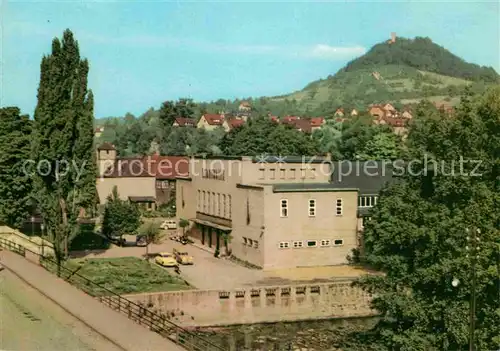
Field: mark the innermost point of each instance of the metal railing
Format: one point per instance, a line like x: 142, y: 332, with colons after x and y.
x: 157, y: 322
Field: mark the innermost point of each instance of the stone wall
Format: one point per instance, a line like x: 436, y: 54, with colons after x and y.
x: 34, y: 243
x: 260, y: 305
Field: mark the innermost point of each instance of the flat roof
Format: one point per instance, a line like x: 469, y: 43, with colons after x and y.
x: 308, y: 187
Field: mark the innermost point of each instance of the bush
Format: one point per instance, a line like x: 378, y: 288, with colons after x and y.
x: 120, y: 217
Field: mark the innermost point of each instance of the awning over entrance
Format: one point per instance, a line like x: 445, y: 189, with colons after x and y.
x: 141, y: 199
x: 211, y: 224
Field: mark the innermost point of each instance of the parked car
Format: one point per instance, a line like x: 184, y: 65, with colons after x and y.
x: 182, y: 257
x: 141, y: 240
x: 118, y: 240
x: 166, y: 259
x: 169, y: 224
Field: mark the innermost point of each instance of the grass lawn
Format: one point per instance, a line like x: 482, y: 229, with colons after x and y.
x: 124, y: 275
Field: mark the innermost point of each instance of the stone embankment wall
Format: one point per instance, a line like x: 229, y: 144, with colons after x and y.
x: 260, y: 305
x: 34, y: 243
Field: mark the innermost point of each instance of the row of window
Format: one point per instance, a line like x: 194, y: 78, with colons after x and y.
x: 310, y: 243
x: 250, y: 243
x: 339, y: 208
x: 367, y: 201
x: 287, y: 173
x: 214, y: 204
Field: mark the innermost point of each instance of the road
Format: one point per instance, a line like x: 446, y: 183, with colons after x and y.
x: 30, y: 321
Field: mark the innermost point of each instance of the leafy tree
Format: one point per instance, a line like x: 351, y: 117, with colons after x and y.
x: 62, y: 138
x: 120, y: 216
x: 15, y: 183
x: 152, y: 232
x: 417, y: 236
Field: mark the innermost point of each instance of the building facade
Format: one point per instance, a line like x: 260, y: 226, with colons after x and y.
x: 275, y: 213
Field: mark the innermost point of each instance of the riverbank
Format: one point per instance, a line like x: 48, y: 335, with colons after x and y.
x: 318, y: 335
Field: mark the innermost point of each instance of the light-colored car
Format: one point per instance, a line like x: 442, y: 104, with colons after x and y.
x: 182, y: 257
x: 166, y: 259
x: 169, y: 224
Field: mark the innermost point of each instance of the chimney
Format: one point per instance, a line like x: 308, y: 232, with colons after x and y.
x: 393, y: 37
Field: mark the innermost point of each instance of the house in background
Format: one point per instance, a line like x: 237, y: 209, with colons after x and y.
x: 317, y: 123
x: 354, y: 112
x: 231, y: 123
x: 244, y: 107
x: 98, y: 131
x: 184, y: 122
x: 339, y: 112
x: 210, y: 121
x: 148, y: 181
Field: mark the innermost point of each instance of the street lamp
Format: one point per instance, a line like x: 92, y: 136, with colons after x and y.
x: 472, y: 248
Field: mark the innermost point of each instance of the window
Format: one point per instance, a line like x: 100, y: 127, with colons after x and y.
x: 367, y: 201
x: 282, y: 173
x: 158, y: 184
x: 262, y: 173
x: 273, y: 173
x: 198, y: 207
x: 256, y: 244
x: 297, y: 244
x: 292, y: 173
x: 245, y: 241
x: 338, y: 242
x: 302, y: 173
x: 325, y: 243
x: 224, y: 206
x: 229, y: 206
x: 312, y: 175
x: 312, y: 208
x: 204, y: 202
x: 339, y: 209
x: 284, y: 208
x: 164, y: 184
x: 312, y: 243
x: 284, y: 245
x: 218, y: 205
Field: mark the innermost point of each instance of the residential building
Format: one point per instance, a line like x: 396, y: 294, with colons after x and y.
x: 148, y: 180
x: 317, y: 123
x: 278, y: 212
x: 98, y: 131
x: 354, y: 112
x: 230, y: 124
x: 244, y: 107
x: 339, y: 112
x: 210, y: 121
x: 184, y: 122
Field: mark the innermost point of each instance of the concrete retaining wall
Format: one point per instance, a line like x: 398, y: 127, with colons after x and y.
x: 260, y: 305
x: 34, y: 243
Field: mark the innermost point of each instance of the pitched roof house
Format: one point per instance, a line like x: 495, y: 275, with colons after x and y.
x: 339, y: 112
x: 210, y: 121
x: 184, y: 122
x: 317, y: 122
x: 230, y: 124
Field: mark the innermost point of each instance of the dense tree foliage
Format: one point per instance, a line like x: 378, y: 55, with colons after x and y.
x: 15, y: 183
x: 262, y: 136
x: 417, y: 235
x: 423, y: 54
x: 120, y: 217
x: 62, y: 142
x: 362, y: 140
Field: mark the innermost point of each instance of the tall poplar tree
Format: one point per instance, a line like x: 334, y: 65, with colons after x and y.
x: 63, y: 142
x: 15, y: 184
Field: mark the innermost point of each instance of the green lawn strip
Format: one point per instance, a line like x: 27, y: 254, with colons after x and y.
x: 124, y: 275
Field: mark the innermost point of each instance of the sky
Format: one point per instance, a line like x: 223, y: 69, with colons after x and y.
x: 145, y: 52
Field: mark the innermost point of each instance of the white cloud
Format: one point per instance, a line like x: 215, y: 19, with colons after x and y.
x: 318, y: 51
x: 322, y: 51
